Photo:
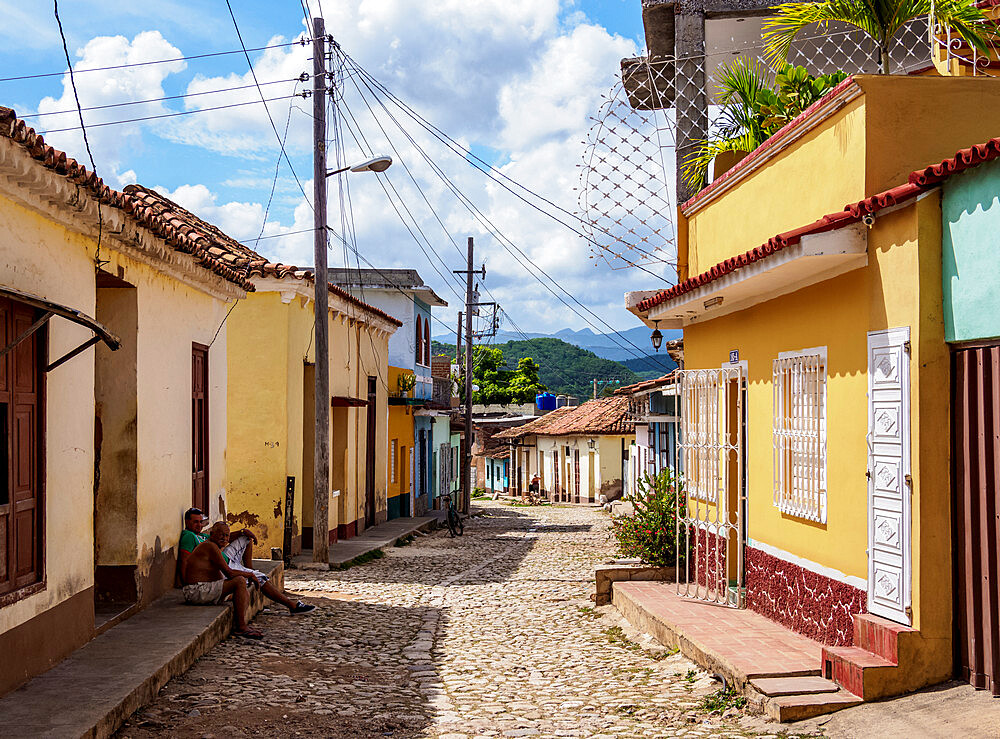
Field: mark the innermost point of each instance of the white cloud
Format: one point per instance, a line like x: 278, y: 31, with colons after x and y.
x: 111, y: 145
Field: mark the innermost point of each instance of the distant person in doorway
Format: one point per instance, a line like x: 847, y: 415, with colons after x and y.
x: 238, y: 555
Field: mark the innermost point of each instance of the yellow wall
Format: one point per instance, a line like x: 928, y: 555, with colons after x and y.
x: 401, y: 429
x: 898, y: 124
x: 271, y: 340
x: 900, y: 287
x: 46, y: 259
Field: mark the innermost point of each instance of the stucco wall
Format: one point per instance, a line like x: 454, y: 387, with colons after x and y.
x: 48, y: 260
x: 971, y: 278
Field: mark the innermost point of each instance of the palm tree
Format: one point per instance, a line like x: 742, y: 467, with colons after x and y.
x: 738, y: 129
x: 754, y: 108
x: 880, y: 20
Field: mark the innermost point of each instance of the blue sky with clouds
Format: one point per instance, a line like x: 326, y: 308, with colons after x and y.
x: 515, y: 80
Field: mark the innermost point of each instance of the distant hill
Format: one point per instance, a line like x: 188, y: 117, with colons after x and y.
x: 564, y: 368
x: 630, y: 342
x: 651, y: 366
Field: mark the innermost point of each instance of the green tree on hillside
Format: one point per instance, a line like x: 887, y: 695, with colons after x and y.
x: 499, y: 385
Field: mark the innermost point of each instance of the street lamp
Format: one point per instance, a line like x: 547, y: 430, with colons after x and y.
x: 656, y: 337
x: 375, y: 164
x: 321, y: 298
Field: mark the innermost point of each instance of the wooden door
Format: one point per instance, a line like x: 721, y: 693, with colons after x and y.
x: 975, y: 485
x: 199, y: 427
x: 21, y: 457
x: 889, y: 474
x: 576, y: 473
x: 370, y: 454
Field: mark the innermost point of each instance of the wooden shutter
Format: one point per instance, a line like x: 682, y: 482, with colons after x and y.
x: 21, y: 408
x: 199, y: 427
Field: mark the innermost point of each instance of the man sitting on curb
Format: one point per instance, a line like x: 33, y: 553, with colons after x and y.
x: 238, y: 554
x: 209, y: 580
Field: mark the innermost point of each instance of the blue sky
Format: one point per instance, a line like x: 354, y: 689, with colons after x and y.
x: 514, y: 80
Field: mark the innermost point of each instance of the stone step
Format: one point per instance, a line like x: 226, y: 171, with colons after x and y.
x: 780, y: 686
x: 803, y: 706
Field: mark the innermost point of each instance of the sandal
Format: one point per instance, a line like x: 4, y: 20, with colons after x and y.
x: 301, y: 607
x: 249, y: 633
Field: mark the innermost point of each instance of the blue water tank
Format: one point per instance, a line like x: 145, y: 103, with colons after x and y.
x: 545, y: 401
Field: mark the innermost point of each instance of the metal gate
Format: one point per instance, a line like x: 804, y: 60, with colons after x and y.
x: 976, y: 512
x: 711, y: 510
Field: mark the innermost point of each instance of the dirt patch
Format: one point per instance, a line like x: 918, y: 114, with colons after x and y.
x: 275, y: 722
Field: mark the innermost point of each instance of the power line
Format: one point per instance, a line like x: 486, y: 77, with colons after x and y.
x: 175, y: 115
x: 83, y: 128
x: 274, y: 128
x: 510, y: 247
x: 301, y: 42
x: 156, y: 100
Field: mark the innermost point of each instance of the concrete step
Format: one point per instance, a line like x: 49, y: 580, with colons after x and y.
x: 880, y: 636
x: 803, y: 706
x: 780, y: 686
x: 856, y: 670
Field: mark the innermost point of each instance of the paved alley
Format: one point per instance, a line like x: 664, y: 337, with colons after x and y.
x: 491, y: 634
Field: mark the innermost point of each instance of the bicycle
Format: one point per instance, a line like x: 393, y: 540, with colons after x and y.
x: 455, y: 525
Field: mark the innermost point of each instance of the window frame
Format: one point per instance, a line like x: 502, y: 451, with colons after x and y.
x: 810, y: 500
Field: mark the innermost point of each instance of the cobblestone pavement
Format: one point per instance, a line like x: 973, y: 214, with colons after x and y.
x: 490, y: 634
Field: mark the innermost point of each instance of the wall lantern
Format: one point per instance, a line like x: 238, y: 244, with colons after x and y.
x: 656, y: 337
x: 591, y: 444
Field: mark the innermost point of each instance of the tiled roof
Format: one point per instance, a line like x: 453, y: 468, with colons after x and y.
x: 601, y: 416
x: 537, y: 426
x: 919, y: 181
x: 227, y: 250
x: 173, y: 233
x: 668, y: 379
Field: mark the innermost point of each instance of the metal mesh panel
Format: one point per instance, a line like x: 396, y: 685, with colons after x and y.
x: 799, y: 413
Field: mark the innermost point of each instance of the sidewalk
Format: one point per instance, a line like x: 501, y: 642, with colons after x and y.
x: 780, y: 668
x: 93, y: 691
x: 377, y: 537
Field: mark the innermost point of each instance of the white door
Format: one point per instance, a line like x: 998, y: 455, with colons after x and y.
x: 889, y: 474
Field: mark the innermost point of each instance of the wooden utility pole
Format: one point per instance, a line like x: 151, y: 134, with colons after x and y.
x: 321, y: 449
x: 469, y: 299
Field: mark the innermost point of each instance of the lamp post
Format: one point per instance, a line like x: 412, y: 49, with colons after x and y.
x: 321, y: 447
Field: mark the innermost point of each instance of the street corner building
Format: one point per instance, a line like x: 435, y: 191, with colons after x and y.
x: 422, y: 465
x: 580, y: 453
x: 113, y: 399
x: 271, y: 425
x: 838, y: 295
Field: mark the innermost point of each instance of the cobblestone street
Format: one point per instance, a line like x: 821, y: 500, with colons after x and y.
x: 491, y: 634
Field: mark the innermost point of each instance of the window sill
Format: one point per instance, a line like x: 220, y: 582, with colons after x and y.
x: 21, y: 593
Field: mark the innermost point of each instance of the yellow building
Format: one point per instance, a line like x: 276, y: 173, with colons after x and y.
x: 814, y: 397
x: 105, y: 446
x: 271, y: 404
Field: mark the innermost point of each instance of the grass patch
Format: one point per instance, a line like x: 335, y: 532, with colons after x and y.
x: 405, y: 541
x: 588, y: 611
x: 617, y: 637
x: 722, y: 700
x: 361, y: 559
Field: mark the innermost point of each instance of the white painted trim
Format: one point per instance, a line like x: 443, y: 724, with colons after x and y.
x: 805, y: 564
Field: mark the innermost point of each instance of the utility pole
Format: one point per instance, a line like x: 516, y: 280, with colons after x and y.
x: 595, y: 388
x: 321, y: 448
x: 458, y: 344
x: 467, y: 472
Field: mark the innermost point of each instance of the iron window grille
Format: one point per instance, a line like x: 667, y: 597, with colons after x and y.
x: 799, y: 433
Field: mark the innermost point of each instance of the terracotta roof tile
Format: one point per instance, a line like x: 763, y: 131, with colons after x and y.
x: 668, y: 379
x: 919, y: 181
x: 601, y: 416
x: 230, y: 251
x: 15, y: 129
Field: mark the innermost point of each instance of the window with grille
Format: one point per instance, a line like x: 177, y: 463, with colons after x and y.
x: 393, y: 448
x: 799, y: 382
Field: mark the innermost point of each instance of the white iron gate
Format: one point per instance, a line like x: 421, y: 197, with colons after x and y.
x: 711, y: 511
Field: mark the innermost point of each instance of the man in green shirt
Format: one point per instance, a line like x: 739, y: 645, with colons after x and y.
x: 238, y: 554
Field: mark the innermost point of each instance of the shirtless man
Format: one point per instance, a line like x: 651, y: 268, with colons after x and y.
x: 238, y: 554
x: 210, y: 580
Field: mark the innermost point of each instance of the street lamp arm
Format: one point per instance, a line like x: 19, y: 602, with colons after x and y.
x: 375, y: 164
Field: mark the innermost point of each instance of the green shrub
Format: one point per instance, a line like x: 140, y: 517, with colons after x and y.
x: 651, y: 534
x: 478, y: 493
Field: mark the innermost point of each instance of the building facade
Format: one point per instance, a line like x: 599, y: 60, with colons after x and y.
x: 113, y: 403
x: 812, y: 402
